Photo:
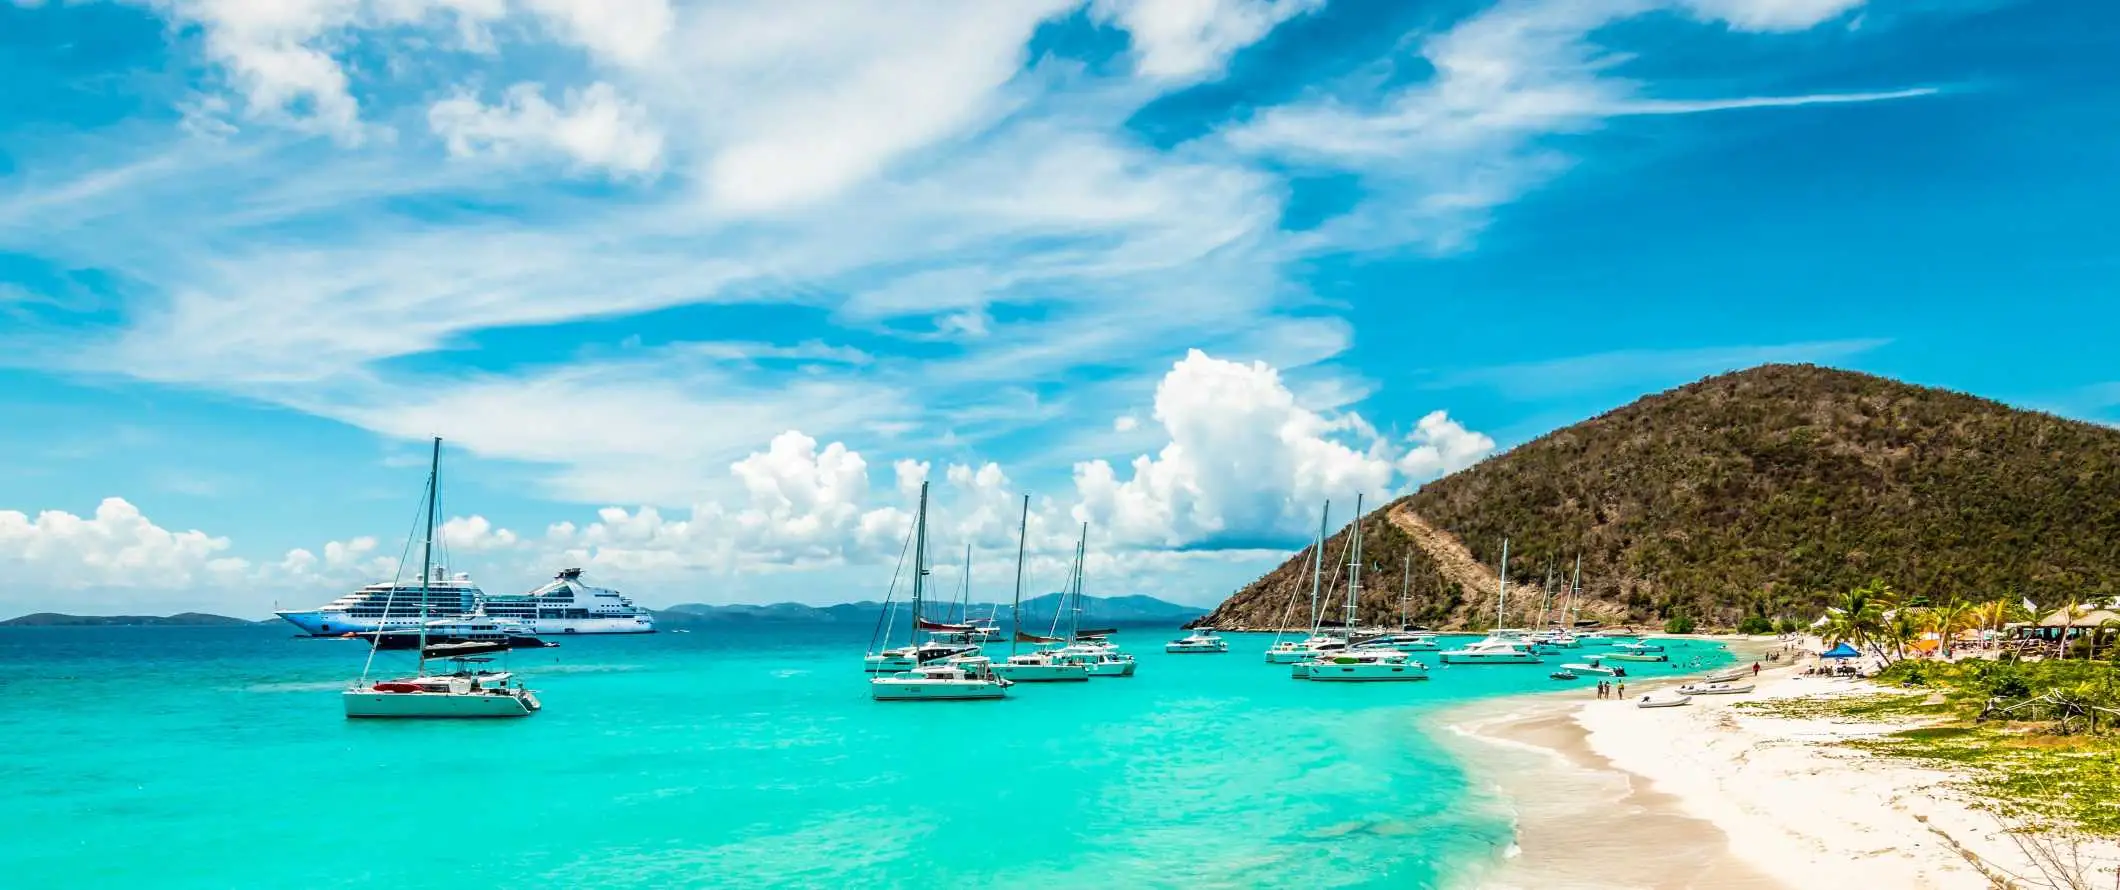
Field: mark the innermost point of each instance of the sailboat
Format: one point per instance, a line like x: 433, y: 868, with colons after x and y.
x: 961, y: 677
x: 1092, y: 649
x: 1357, y: 665
x: 1501, y: 646
x: 1292, y: 651
x: 1405, y: 639
x: 1031, y: 667
x: 466, y: 691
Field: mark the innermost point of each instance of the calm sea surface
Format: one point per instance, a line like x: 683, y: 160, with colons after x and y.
x: 219, y: 757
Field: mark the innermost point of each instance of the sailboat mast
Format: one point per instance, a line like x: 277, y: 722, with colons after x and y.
x: 1023, y: 527
x: 1575, y: 594
x: 919, y: 563
x: 1405, y: 589
x: 434, y: 487
x: 1317, y: 570
x: 1074, y: 616
x: 1545, y: 599
x: 964, y: 603
x: 1354, y: 573
x: 1502, y: 598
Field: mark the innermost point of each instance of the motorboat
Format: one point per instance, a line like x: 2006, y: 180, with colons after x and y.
x: 1101, y: 660
x: 1595, y: 668
x: 1305, y: 650
x: 958, y: 679
x: 1492, y: 650
x: 1668, y: 700
x: 1400, y: 642
x: 1715, y: 688
x: 1201, y: 641
x: 1039, y: 667
x: 1564, y: 674
x: 1636, y: 652
x: 1355, y: 666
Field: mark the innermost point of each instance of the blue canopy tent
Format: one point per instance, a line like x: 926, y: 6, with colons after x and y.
x: 1841, y: 651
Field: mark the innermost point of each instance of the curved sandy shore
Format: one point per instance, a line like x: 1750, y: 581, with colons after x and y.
x: 1610, y: 795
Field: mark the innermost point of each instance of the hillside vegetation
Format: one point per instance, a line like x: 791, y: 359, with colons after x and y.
x: 1767, y: 491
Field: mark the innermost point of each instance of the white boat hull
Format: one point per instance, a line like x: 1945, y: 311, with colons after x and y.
x: 1455, y: 657
x: 333, y: 624
x: 1715, y: 689
x: 1648, y: 702
x: 918, y: 689
x: 1362, y: 672
x: 1599, y: 670
x: 1622, y: 656
x: 1042, y: 673
x: 438, y: 705
x: 1288, y: 656
x: 1195, y: 648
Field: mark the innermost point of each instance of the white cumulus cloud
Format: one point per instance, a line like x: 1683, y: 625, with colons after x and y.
x: 1245, y: 460
x: 1442, y: 446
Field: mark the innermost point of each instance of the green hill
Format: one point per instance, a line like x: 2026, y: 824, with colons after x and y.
x: 1766, y: 490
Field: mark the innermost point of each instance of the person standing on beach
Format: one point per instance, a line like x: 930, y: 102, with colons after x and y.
x: 1755, y: 669
x: 1622, y: 689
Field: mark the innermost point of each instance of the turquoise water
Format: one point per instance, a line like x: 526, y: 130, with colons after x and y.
x: 217, y: 757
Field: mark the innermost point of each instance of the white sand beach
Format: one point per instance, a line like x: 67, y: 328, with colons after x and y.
x: 1709, y: 795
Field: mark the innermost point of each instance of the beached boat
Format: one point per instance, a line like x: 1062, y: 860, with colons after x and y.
x: 955, y: 678
x: 468, y: 691
x: 1202, y: 641
x: 1653, y: 700
x: 1715, y: 688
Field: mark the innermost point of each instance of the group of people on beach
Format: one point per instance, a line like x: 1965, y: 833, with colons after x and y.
x: 1611, y: 689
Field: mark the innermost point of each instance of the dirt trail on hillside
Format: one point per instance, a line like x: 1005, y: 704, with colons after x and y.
x: 1448, y: 552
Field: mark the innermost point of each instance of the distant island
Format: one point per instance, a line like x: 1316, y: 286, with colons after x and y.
x: 1037, y: 612
x: 181, y: 619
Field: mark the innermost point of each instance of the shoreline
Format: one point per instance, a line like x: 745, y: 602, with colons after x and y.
x: 1607, y: 795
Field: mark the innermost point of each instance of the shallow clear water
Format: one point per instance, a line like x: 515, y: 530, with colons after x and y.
x: 215, y: 757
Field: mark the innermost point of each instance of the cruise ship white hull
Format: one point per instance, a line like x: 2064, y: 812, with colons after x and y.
x: 333, y: 624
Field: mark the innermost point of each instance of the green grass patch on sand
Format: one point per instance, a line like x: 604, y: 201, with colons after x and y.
x: 2023, y: 759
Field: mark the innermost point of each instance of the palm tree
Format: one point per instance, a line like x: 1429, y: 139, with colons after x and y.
x: 1948, y: 619
x: 1901, y: 628
x: 1856, y: 618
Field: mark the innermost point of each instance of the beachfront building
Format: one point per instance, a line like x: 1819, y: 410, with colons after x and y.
x: 2064, y: 626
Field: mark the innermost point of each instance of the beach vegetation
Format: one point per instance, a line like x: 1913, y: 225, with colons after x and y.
x: 1680, y: 623
x: 1755, y: 625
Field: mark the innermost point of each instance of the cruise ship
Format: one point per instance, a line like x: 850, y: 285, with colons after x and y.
x: 562, y: 606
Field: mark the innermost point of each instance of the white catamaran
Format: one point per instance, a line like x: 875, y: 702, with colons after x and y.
x: 1500, y: 647
x: 1293, y: 651
x: 1354, y: 664
x: 1031, y: 667
x: 467, y: 691
x: 963, y: 677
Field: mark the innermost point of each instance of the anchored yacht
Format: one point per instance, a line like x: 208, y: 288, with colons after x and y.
x: 567, y: 606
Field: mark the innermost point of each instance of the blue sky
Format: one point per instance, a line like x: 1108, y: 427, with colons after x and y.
x: 697, y: 292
